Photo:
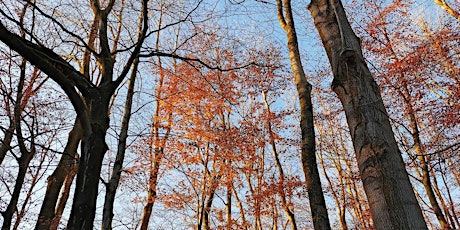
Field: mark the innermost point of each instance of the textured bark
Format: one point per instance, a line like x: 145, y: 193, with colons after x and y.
x: 310, y: 167
x: 391, y: 198
x: 93, y: 149
x: 66, y: 164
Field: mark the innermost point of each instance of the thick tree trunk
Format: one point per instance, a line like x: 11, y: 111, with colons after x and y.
x: 310, y: 167
x: 56, y: 180
x: 93, y: 149
x: 386, y: 183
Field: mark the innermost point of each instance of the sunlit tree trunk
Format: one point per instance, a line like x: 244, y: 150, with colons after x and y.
x: 386, y: 183
x: 443, y: 4
x: 310, y: 167
x: 452, y: 216
x: 65, y: 171
x: 424, y: 164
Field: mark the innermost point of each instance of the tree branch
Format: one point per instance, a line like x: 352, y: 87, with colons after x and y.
x: 52, y: 65
x: 191, y: 60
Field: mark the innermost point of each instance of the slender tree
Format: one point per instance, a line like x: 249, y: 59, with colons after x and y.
x: 310, y: 167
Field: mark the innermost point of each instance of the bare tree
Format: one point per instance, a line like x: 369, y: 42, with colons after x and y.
x: 90, y: 101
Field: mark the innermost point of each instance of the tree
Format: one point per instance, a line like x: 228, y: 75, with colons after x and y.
x: 391, y: 198
x: 312, y: 179
x: 90, y: 101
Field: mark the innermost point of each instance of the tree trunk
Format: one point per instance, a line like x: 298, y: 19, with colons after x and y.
x: 93, y: 149
x: 12, y: 205
x: 208, y: 207
x: 112, y: 185
x: 386, y: 183
x: 152, y: 191
x: 90, y: 101
x: 56, y: 180
x: 26, y: 155
x: 65, y: 193
x: 443, y: 4
x: 5, y: 143
x: 424, y: 165
x: 310, y: 167
x: 228, y: 207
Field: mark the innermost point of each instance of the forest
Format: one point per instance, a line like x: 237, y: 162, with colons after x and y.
x: 229, y: 114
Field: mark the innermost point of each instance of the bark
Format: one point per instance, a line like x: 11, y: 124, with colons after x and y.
x: 158, y: 143
x: 66, y: 164
x: 23, y: 162
x: 391, y: 198
x: 35, y: 178
x: 64, y: 194
x: 152, y: 191
x: 310, y: 167
x: 208, y: 205
x: 418, y: 145
x: 66, y: 170
x: 453, y: 218
x: 228, y: 207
